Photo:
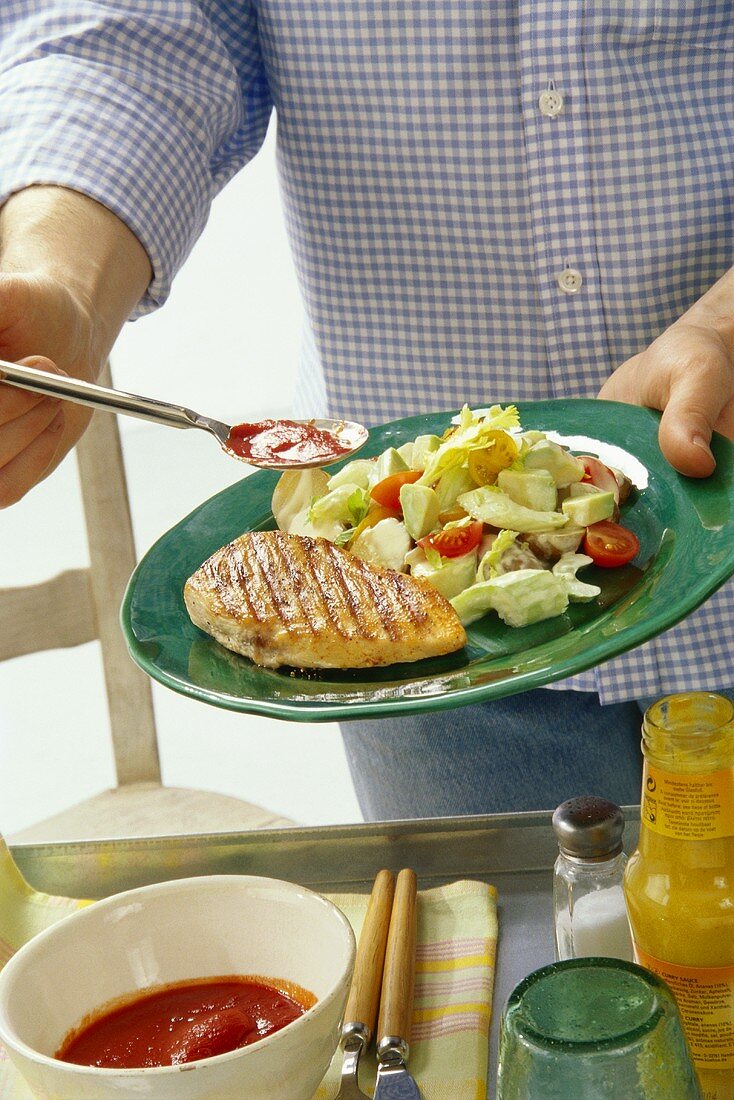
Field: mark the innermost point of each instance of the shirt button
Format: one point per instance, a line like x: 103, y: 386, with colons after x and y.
x: 550, y: 103
x: 570, y: 280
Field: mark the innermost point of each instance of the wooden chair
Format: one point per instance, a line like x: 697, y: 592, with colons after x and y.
x: 81, y: 605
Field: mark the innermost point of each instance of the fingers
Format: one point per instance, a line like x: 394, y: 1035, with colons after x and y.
x: 15, y: 402
x: 22, y: 430
x: 31, y: 429
x: 29, y: 466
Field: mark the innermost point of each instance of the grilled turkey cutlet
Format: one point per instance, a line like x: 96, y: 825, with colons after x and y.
x: 292, y: 600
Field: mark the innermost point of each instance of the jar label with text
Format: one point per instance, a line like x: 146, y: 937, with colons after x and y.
x: 705, y: 999
x: 688, y: 807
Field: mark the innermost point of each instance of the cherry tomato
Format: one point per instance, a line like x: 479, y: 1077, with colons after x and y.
x: 600, y: 475
x: 609, y: 544
x: 453, y: 542
x: 486, y: 462
x: 387, y: 491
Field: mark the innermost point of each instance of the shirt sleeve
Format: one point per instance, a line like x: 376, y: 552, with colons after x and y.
x: 147, y: 106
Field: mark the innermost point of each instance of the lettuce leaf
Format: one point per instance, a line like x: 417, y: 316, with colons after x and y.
x: 566, y: 568
x: 341, y: 505
x: 359, y: 505
x: 494, y: 507
x: 471, y: 432
x: 519, y: 598
x: 487, y: 567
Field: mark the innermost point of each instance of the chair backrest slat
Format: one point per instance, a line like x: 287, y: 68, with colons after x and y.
x: 112, y: 560
x: 81, y: 605
x: 52, y: 615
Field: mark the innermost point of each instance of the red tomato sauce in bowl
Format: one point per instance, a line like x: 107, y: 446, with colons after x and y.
x: 183, y: 1022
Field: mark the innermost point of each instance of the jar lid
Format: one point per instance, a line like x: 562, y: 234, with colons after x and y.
x: 589, y: 828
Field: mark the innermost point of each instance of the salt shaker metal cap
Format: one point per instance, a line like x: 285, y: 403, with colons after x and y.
x: 589, y: 828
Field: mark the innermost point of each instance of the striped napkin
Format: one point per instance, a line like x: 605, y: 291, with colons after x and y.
x: 23, y: 912
x: 455, y: 956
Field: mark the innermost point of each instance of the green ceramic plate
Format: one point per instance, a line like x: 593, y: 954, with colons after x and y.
x: 686, y: 533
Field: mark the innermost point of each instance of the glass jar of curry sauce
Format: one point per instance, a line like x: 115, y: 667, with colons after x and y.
x: 679, y: 884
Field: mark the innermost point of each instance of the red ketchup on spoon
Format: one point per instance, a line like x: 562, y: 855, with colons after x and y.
x: 284, y: 441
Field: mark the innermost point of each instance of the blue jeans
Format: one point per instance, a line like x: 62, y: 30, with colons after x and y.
x: 524, y: 752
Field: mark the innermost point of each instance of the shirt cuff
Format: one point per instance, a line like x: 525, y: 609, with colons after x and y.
x: 103, y: 139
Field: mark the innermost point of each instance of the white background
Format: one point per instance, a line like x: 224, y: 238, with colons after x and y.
x: 225, y: 344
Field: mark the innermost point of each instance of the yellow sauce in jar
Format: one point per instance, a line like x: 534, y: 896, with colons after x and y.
x: 679, y: 884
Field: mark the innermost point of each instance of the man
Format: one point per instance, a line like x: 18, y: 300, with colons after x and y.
x: 486, y: 202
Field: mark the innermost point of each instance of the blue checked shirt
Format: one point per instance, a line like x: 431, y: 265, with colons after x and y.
x: 488, y: 200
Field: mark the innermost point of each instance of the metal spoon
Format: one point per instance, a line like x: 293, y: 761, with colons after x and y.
x: 349, y: 436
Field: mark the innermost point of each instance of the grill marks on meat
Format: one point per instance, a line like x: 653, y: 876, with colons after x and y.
x: 291, y: 600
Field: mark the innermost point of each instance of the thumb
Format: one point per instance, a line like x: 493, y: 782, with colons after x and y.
x: 42, y: 362
x: 692, y: 410
x: 16, y: 399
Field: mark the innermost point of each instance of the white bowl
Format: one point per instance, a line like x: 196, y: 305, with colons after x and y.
x: 189, y: 928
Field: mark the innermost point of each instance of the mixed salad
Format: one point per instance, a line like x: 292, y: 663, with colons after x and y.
x: 497, y: 519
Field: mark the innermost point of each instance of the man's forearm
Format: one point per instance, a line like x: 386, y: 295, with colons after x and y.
x: 57, y: 232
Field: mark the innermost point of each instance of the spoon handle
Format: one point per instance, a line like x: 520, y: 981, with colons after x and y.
x: 99, y: 397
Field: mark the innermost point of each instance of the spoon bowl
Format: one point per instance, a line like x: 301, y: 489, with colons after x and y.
x: 293, y: 444
x: 311, y: 443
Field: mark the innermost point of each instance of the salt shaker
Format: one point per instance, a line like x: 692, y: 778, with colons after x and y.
x: 588, y: 899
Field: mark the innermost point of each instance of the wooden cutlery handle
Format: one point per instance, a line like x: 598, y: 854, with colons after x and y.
x: 398, y: 979
x: 364, y: 995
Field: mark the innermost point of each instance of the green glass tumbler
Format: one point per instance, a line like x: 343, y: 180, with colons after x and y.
x: 593, y: 1028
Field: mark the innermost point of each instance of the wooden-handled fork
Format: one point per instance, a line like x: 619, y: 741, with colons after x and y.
x: 364, y: 996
